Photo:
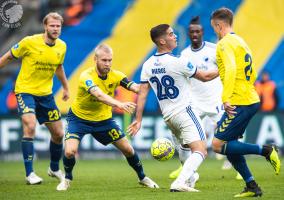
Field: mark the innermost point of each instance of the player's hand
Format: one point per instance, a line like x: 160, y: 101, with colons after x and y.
x: 133, y: 128
x: 230, y: 110
x: 65, y: 95
x: 128, y: 107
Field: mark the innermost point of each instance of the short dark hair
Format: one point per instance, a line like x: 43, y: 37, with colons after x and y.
x: 223, y: 14
x: 158, y: 31
x: 195, y: 20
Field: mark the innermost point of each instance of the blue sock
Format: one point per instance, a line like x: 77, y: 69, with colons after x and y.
x: 28, y: 154
x: 68, y: 166
x: 55, y: 155
x: 239, y: 163
x: 136, y: 164
x: 241, y: 148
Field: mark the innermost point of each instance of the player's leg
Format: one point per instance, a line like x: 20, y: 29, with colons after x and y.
x: 29, y: 125
x: 55, y: 148
x: 74, y: 133
x: 230, y: 128
x: 133, y: 160
x: 192, y: 136
x: 191, y: 165
x: 69, y: 161
x: 48, y: 113
x: 183, y: 154
x: 26, y: 107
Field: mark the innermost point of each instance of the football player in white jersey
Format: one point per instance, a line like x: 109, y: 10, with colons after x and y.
x: 168, y: 76
x: 206, y: 96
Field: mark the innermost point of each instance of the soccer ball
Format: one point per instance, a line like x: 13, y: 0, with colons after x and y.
x: 162, y: 149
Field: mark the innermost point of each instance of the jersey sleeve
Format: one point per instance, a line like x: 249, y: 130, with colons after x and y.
x: 19, y: 49
x: 63, y: 55
x: 186, y: 67
x: 227, y: 56
x: 120, y: 76
x: 144, y: 77
x: 87, y: 82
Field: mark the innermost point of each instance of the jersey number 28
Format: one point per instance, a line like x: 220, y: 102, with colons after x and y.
x: 165, y: 88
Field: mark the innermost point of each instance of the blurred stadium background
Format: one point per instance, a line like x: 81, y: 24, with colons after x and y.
x: 125, y: 25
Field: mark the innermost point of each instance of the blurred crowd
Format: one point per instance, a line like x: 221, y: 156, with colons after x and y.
x: 72, y: 10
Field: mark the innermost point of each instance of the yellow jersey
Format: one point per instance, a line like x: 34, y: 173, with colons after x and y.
x: 86, y: 106
x: 39, y: 62
x: 236, y: 70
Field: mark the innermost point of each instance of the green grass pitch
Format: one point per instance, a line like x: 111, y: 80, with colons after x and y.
x: 114, y: 179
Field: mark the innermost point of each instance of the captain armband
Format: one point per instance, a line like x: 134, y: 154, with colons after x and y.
x: 126, y: 83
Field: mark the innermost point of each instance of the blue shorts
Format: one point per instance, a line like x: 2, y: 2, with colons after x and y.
x: 233, y: 127
x: 105, y: 132
x: 44, y: 107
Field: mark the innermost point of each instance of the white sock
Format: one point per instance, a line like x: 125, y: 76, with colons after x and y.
x: 183, y: 154
x: 190, y: 167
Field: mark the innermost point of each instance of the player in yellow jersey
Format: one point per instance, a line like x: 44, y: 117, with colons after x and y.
x: 91, y: 112
x: 42, y: 57
x: 241, y: 102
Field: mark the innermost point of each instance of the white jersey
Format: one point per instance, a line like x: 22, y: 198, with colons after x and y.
x: 168, y: 76
x: 206, y: 95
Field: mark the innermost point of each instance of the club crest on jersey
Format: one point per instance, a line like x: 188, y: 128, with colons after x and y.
x: 89, y: 83
x: 16, y: 46
x: 189, y: 65
x: 206, y: 59
x: 110, y: 85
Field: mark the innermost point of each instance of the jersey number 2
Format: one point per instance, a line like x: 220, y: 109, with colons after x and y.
x: 248, y: 68
x: 166, y: 84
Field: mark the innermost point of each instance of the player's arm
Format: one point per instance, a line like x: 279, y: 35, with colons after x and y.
x: 102, y: 97
x: 60, y: 73
x: 129, y: 85
x: 191, y: 70
x: 142, y: 97
x: 5, y: 59
x: 206, y: 75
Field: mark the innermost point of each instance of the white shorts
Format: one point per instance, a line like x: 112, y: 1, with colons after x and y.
x: 186, y: 126
x: 213, y: 112
x: 210, y: 116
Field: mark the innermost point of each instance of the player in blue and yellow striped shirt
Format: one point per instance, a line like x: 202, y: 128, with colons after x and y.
x: 241, y: 102
x: 42, y: 57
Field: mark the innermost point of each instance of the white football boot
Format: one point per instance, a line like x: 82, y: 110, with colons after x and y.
x: 63, y: 185
x: 193, y: 179
x: 181, y: 187
x: 33, y: 179
x: 146, y: 181
x: 57, y: 174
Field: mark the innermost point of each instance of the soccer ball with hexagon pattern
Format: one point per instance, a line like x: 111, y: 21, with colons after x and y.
x: 162, y: 149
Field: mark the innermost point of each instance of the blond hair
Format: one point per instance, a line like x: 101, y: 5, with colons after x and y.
x: 102, y: 47
x: 53, y: 15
